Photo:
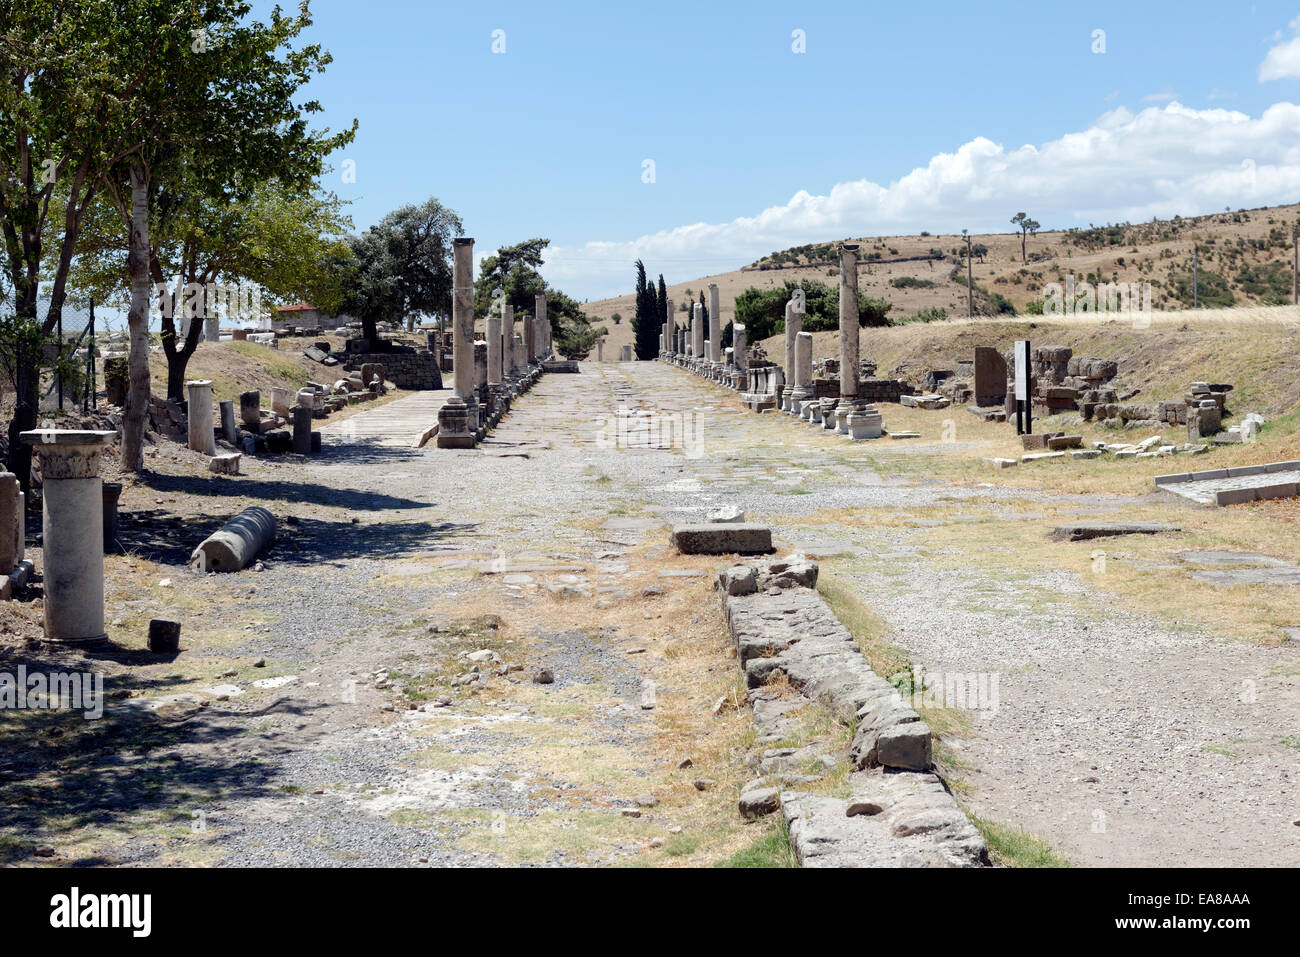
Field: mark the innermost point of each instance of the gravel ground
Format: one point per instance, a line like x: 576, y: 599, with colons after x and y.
x: 1116, y: 739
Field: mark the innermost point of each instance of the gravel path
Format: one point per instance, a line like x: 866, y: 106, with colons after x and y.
x: 1116, y: 739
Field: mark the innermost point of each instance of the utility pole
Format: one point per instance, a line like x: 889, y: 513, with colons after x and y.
x: 970, y: 281
x: 1295, y: 264
x: 1196, y: 300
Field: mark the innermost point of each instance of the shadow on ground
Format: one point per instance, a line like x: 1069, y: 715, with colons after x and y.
x: 169, y: 539
x: 60, y: 773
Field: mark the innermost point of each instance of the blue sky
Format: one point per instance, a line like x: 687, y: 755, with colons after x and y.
x: 550, y: 137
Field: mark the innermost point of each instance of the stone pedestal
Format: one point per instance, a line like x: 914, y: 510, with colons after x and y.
x: 211, y: 330
x: 280, y: 401
x: 864, y: 423
x: 828, y: 413
x: 74, y: 531
x: 600, y: 350
x: 198, y: 397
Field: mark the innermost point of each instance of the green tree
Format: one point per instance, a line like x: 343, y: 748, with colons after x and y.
x: 398, y: 268
x: 1026, y: 226
x: 644, y: 328
x: 762, y: 311
x: 119, y: 97
x: 281, y: 239
x: 514, y: 270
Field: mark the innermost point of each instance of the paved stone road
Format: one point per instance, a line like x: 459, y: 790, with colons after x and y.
x: 1118, y: 740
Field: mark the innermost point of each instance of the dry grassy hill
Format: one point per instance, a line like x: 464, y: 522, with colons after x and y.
x: 1244, y: 254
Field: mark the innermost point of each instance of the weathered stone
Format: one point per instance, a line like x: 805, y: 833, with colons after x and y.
x: 738, y: 580
x: 756, y: 802
x: 793, y: 570
x: 1083, y: 531
x: 73, y: 546
x: 990, y: 377
x: 225, y: 464
x: 164, y: 636
x: 237, y: 543
x: 722, y: 539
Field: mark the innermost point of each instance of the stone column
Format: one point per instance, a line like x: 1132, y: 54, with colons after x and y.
x: 600, y: 350
x: 494, y: 370
x: 530, y: 339
x: 198, y: 395
x: 697, y: 332
x: 458, y: 418
x: 212, y: 330
x: 715, y: 324
x: 801, y: 392
x: 849, y: 329
x: 74, y: 531
x: 11, y: 519
x: 228, y: 429
x: 250, y: 410
x: 543, y: 326
x: 302, y: 430
x: 793, y: 326
x: 507, y: 340
x: 480, y: 368
x: 740, y: 346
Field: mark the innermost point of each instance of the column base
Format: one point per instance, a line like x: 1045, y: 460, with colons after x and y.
x: 456, y: 426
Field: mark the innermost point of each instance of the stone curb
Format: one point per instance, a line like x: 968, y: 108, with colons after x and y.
x: 899, y: 813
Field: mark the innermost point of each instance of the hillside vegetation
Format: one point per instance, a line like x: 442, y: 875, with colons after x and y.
x: 1245, y: 260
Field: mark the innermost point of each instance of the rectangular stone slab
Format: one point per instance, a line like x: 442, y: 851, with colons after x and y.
x: 739, y: 538
x: 1081, y: 531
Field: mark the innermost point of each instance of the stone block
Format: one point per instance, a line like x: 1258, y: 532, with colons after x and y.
x: 1234, y: 496
x: 164, y: 636
x: 738, y: 580
x: 722, y: 539
x: 226, y: 464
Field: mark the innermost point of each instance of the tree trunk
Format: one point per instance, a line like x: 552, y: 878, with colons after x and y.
x: 136, y: 412
x: 27, y: 385
x: 1023, y: 257
x: 179, y: 359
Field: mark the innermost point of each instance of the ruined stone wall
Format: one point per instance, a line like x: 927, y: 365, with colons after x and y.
x: 406, y: 370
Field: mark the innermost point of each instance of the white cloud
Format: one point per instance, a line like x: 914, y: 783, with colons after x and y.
x: 1283, y: 60
x: 1127, y: 166
x: 1159, y: 97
